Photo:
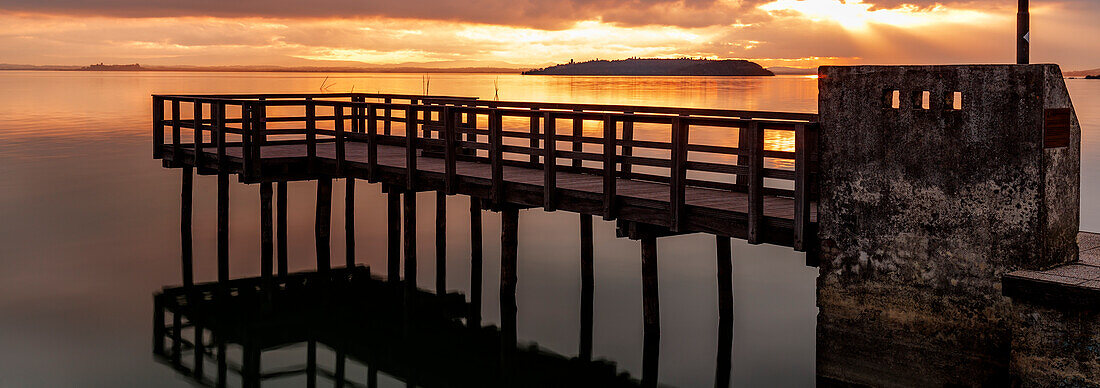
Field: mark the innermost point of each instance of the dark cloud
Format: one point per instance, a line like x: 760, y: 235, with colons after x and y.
x: 527, y: 13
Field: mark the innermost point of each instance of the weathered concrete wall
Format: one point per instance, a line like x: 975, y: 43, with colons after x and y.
x: 922, y: 211
x: 1056, y: 346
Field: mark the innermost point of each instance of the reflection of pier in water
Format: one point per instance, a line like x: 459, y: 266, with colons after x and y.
x: 437, y: 342
x: 656, y: 171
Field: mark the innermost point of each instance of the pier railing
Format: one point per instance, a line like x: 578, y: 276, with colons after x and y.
x: 600, y: 140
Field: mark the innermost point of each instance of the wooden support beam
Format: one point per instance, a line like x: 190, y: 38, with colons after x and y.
x: 311, y: 134
x: 509, y: 253
x: 177, y: 147
x: 267, y: 244
x: 158, y: 127
x: 338, y: 128
x: 724, y: 364
x: 609, y: 179
x: 388, y: 114
x: 280, y: 230
x: 223, y: 226
x: 186, y: 244
x: 440, y: 243
x: 756, y: 182
x: 550, y: 162
x: 177, y: 337
x: 587, y: 287
x: 372, y: 377
x: 159, y: 329
x: 197, y: 121
x: 250, y: 373
x: 393, y: 235
x: 322, y: 224
x: 475, y: 263
x: 349, y: 222
x: 651, y: 327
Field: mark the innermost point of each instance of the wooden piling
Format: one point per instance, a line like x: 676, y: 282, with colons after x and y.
x: 186, y: 244
x: 311, y: 363
x: 725, y: 277
x: 651, y: 328
x: 340, y: 375
x: 281, y: 229
x: 410, y: 241
x: 266, y: 233
x: 724, y: 364
x: 393, y: 234
x: 349, y: 222
x: 509, y: 252
x: 223, y: 226
x: 475, y: 263
x: 587, y: 287
x: 323, y: 222
x: 440, y: 243
x: 223, y: 366
x: 199, y: 350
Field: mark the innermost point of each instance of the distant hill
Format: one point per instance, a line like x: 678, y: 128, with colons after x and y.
x: 101, y: 67
x: 782, y: 70
x: 1082, y: 73
x: 656, y: 67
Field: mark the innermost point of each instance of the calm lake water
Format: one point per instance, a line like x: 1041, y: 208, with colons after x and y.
x: 90, y: 230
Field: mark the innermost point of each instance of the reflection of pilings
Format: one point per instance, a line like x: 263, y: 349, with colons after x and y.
x: 281, y: 229
x: 266, y: 234
x: 223, y: 226
x: 250, y: 368
x: 725, y: 313
x: 651, y: 329
x: 509, y: 252
x: 372, y: 377
x: 441, y: 242
x: 410, y: 253
x: 349, y: 222
x: 311, y: 363
x: 475, y: 263
x: 200, y: 350
x: 185, y: 227
x: 341, y: 366
x: 586, y: 287
x: 323, y: 223
x: 393, y: 234
x: 223, y: 366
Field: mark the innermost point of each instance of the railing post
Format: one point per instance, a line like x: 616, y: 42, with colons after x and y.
x: 410, y: 149
x: 372, y: 143
x: 578, y: 131
x: 158, y: 127
x: 311, y: 133
x: 338, y: 125
x: 496, y: 157
x: 388, y: 113
x: 534, y: 143
x: 677, y: 174
x: 197, y: 121
x: 448, y: 134
x: 550, y: 162
x: 259, y: 126
x: 608, y: 167
x: 176, y: 148
x: 246, y: 139
x: 755, y: 181
x: 218, y: 117
x: 801, y: 186
x: 627, y: 148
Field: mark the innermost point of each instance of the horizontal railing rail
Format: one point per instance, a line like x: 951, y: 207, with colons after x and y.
x: 600, y: 140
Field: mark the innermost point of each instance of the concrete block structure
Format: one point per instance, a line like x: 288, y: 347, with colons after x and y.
x: 935, y: 182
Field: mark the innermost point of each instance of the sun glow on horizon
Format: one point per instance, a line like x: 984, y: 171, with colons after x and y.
x: 855, y: 15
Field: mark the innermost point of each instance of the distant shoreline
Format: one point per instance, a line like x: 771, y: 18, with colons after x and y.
x: 474, y: 70
x: 656, y: 67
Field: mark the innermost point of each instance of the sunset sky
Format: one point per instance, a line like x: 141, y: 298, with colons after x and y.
x: 528, y: 33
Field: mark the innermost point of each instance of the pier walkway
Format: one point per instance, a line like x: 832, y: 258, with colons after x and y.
x: 668, y: 170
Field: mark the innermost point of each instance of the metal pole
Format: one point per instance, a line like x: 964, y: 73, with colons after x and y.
x: 1023, y: 34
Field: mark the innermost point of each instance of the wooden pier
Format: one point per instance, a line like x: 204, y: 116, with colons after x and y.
x: 499, y: 152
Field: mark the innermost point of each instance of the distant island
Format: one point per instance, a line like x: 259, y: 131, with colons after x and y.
x: 656, y: 67
x: 101, y: 67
